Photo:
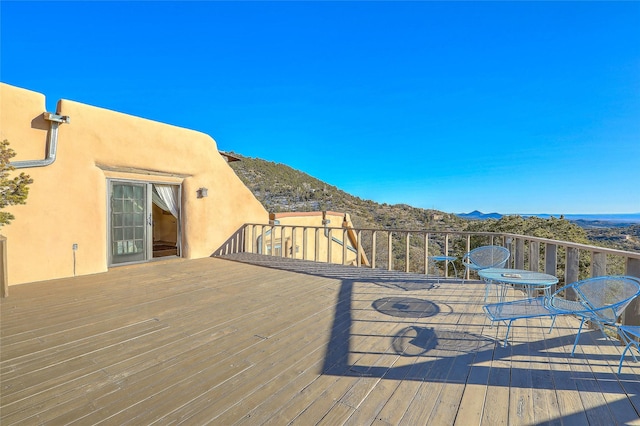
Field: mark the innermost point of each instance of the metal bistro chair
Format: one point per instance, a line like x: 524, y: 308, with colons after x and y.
x: 484, y: 257
x: 600, y: 300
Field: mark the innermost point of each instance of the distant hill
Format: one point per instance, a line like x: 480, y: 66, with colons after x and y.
x: 602, y: 219
x: 583, y: 220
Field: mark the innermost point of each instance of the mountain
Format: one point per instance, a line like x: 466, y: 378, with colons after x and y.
x: 476, y: 215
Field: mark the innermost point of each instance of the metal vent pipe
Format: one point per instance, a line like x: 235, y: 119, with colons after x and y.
x: 52, y: 143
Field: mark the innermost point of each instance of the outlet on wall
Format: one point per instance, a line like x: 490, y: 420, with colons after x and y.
x: 75, y: 246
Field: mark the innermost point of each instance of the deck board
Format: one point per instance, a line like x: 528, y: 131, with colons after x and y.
x: 261, y: 340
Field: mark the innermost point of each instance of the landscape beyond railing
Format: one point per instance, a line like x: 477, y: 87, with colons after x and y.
x: 409, y: 251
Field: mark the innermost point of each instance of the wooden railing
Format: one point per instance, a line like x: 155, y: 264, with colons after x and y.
x: 409, y: 251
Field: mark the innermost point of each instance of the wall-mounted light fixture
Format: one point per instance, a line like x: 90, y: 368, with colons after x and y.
x: 202, y: 192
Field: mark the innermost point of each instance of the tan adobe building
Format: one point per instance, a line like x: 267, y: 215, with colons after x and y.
x: 108, y: 187
x: 112, y: 189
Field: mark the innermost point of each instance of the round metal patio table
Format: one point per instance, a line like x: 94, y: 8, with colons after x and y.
x: 530, y: 282
x: 444, y: 259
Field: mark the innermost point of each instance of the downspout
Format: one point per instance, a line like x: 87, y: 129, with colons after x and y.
x: 52, y: 143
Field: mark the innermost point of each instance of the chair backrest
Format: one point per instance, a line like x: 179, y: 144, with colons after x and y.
x: 599, y: 298
x: 487, y: 257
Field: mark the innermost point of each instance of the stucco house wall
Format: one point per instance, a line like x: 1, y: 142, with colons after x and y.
x: 68, y: 201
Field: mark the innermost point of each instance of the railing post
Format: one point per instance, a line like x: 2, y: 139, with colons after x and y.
x: 317, y: 245
x: 572, y: 269
x: 344, y: 246
x: 446, y: 253
x: 373, y: 249
x: 633, y: 267
x: 272, y: 231
x: 534, y: 256
x: 273, y: 247
x: 519, y: 253
x: 329, y: 245
x: 287, y: 247
x: 466, y: 270
x: 446, y: 244
x: 426, y: 253
x: 390, y: 251
x: 283, y: 243
x: 550, y: 259
x: 305, y: 241
x: 293, y: 242
x: 598, y: 264
x: 406, y: 255
x: 359, y: 248
x: 253, y: 248
x: 632, y: 313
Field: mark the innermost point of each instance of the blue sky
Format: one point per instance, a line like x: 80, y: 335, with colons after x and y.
x: 514, y: 107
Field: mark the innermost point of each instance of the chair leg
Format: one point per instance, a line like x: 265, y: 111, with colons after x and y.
x: 578, y: 336
x: 629, y: 345
x: 629, y: 339
x: 632, y: 354
x: 506, y: 336
x: 553, y: 322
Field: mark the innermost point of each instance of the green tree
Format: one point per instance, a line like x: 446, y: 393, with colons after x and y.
x: 12, y: 190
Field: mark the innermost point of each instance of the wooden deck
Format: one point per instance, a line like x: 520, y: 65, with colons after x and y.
x: 271, y: 341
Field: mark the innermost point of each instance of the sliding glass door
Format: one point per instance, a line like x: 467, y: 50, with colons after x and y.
x: 130, y: 222
x: 143, y: 215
